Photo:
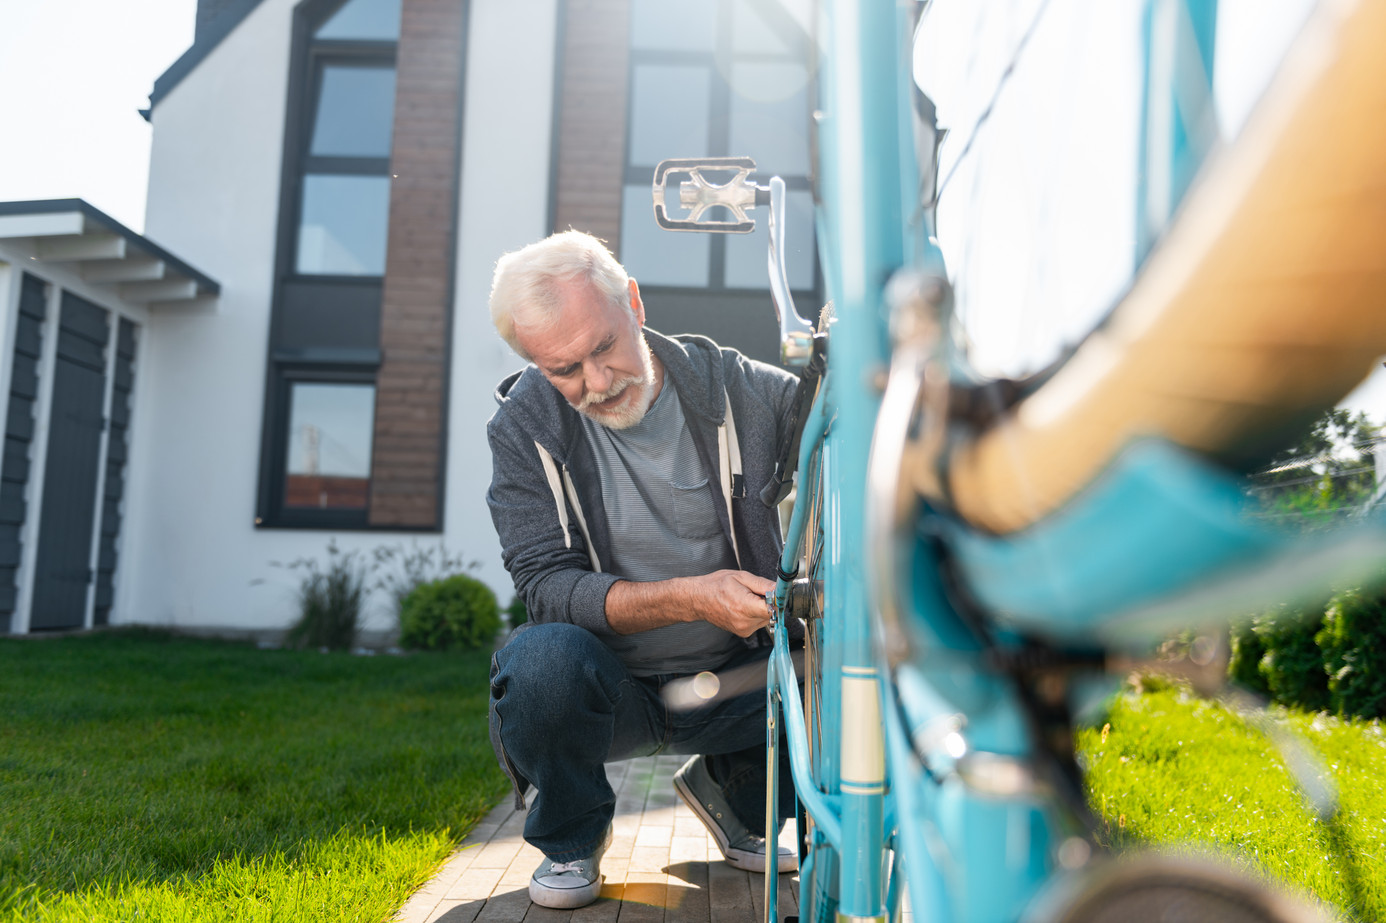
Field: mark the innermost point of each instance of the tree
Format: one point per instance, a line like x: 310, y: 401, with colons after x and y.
x: 1327, y: 474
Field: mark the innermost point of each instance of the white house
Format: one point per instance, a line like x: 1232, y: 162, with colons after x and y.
x: 305, y: 356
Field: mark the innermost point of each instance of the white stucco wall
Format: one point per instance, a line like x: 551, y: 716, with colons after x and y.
x: 505, y: 205
x: 193, y: 555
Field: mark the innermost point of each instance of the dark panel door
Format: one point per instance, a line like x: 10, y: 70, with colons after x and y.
x: 114, y: 493
x: 19, y: 431
x: 62, y: 572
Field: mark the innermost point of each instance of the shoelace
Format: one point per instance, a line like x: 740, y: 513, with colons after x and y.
x: 558, y: 868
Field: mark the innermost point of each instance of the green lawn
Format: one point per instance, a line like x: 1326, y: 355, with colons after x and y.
x: 148, y: 777
x: 1169, y: 769
x: 151, y: 778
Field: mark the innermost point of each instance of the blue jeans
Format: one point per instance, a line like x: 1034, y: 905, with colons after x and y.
x: 563, y: 704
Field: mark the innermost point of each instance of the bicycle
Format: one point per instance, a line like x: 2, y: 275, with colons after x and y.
x: 948, y: 589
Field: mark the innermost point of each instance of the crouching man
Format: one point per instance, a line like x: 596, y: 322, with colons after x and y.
x: 627, y: 469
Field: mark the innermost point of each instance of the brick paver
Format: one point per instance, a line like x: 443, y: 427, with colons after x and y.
x: 663, y: 866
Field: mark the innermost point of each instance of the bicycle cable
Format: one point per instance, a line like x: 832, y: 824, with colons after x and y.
x: 995, y: 96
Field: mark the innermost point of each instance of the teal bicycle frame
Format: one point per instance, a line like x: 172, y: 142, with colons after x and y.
x: 925, y: 761
x: 864, y: 135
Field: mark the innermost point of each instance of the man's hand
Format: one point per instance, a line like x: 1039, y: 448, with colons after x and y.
x: 730, y: 599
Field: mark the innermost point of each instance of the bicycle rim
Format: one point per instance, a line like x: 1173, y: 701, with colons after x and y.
x: 819, y: 874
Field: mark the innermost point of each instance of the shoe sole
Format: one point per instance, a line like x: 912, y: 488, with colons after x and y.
x: 736, y: 858
x: 565, y: 898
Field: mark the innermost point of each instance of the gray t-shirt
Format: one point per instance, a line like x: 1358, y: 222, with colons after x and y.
x: 664, y: 524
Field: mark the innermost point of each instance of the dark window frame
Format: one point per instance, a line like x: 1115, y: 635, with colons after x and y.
x: 288, y: 374
x: 286, y: 366
x: 319, y: 55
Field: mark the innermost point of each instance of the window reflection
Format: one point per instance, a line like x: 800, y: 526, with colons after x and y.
x: 673, y: 26
x: 342, y: 227
x: 669, y: 112
x: 656, y: 257
x: 782, y: 27
x: 769, y: 116
x: 372, y: 20
x: 718, y: 80
x: 355, y: 116
x: 746, y: 253
x: 329, y: 445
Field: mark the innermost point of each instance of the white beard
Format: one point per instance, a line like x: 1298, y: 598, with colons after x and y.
x: 635, y: 407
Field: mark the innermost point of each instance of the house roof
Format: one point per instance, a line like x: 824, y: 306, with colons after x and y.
x: 208, y: 38
x: 104, y: 252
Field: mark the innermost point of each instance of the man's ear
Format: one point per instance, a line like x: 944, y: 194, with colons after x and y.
x: 637, y: 306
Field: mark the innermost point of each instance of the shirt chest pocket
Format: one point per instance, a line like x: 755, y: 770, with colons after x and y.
x: 695, y: 511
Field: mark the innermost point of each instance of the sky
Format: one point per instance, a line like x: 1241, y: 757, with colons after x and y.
x: 75, y: 74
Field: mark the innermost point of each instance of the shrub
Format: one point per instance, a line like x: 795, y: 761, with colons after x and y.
x: 457, y: 612
x: 329, y: 601
x: 1353, y: 642
x: 1292, y: 665
x: 1244, y: 665
x: 516, y: 614
x: 402, y: 568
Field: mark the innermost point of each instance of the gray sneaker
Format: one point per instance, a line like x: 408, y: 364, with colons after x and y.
x: 741, y: 848
x: 565, y: 885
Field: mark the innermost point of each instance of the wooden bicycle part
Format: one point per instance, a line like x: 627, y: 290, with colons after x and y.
x: 1264, y: 305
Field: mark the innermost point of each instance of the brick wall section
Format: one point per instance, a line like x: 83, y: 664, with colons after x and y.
x: 407, y: 463
x: 592, y: 117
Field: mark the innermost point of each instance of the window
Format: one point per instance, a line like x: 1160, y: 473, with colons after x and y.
x: 341, y: 229
x: 328, y: 464
x: 730, y: 78
x: 344, y: 204
x: 324, y: 343
x: 363, y: 19
x: 355, y: 108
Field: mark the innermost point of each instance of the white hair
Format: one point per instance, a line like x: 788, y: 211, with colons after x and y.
x: 527, y: 283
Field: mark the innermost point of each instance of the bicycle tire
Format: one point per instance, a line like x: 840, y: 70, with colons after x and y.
x: 819, y: 886
x: 1161, y: 887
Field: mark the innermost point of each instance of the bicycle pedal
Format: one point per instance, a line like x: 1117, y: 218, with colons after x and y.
x: 698, y: 193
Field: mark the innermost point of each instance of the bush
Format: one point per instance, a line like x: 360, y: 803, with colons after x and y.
x: 455, y: 613
x: 329, y: 601
x: 516, y: 614
x: 1292, y: 665
x: 402, y: 568
x: 1353, y: 643
x: 1244, y: 665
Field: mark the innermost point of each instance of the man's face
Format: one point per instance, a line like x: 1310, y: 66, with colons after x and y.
x: 596, y: 356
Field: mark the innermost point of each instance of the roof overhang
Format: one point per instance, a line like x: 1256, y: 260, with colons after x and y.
x: 209, y: 35
x: 104, y: 252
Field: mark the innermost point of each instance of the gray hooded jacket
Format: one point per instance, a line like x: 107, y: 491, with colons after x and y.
x: 545, y: 495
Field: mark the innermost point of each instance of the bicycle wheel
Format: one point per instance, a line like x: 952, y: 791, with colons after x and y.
x: 819, y: 867
x: 1170, y: 888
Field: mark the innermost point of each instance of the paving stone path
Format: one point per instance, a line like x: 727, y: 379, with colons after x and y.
x: 663, y: 866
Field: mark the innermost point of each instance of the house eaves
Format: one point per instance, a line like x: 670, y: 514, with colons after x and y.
x: 104, y: 252
x: 208, y: 38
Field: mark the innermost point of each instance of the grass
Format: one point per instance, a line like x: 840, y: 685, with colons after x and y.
x: 152, y: 778
x: 144, y: 776
x: 1169, y: 770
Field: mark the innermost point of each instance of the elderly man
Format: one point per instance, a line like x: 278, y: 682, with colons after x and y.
x: 627, y: 468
